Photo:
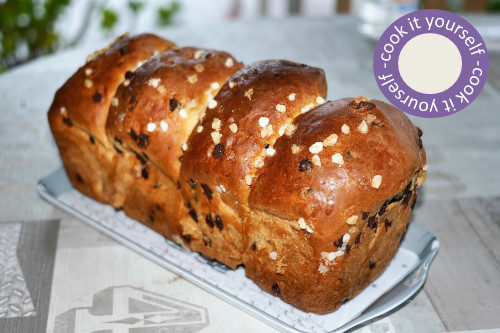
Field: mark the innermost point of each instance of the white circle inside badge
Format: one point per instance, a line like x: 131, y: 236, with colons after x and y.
x: 430, y: 63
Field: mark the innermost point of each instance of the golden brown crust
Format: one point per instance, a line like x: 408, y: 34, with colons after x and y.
x: 155, y: 201
x: 87, y: 94
x: 388, y: 149
x: 214, y: 168
x: 79, y: 111
x: 249, y: 100
x: 156, y: 112
x: 315, y: 213
x: 285, y: 262
x: 152, y: 117
x: 312, y: 197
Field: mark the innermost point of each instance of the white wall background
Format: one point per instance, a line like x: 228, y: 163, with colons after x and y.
x: 192, y: 13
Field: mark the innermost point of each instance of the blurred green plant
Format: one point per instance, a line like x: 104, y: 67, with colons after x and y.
x: 167, y: 13
x: 27, y: 30
x: 109, y: 19
x: 494, y: 6
x: 28, y: 27
x: 135, y: 6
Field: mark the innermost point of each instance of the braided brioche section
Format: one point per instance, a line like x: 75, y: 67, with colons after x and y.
x: 253, y: 109
x: 246, y: 165
x: 79, y: 112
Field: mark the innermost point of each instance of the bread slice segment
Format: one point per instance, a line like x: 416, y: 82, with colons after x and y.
x: 78, y: 115
x: 319, y: 232
x: 150, y: 121
x: 251, y: 111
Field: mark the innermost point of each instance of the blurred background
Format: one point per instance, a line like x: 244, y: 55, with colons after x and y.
x: 32, y: 28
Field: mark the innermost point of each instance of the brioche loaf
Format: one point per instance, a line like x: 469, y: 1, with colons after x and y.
x: 246, y: 165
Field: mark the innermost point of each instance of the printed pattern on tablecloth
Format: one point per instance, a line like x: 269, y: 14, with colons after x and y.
x: 27, y: 255
x: 126, y: 309
x: 15, y: 299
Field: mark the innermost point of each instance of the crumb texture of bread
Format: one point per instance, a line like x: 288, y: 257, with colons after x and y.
x: 247, y: 165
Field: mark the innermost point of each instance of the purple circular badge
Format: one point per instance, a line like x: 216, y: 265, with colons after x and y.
x: 456, y: 96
